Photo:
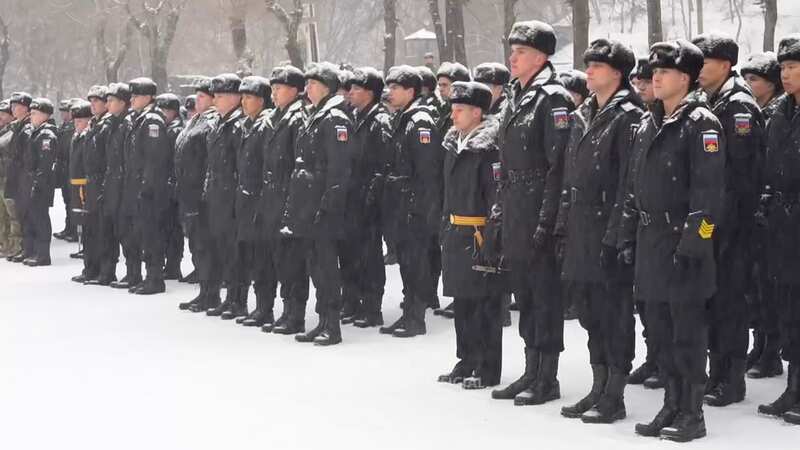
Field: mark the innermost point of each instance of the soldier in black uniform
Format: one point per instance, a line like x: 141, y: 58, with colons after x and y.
x: 743, y: 124
x: 413, y: 195
x: 763, y: 73
x: 81, y: 116
x: 496, y: 77
x: 672, y: 204
x: 471, y: 174
x: 114, y: 133
x: 20, y: 109
x: 170, y: 106
x: 575, y: 82
x: 596, y: 161
x: 191, y: 156
x: 642, y: 80
x: 65, y: 131
x: 151, y: 168
x: 254, y: 257
x: 449, y: 73
x: 283, y: 125
x: 190, y: 105
x: 37, y: 183
x: 219, y: 196
x: 363, y: 272
x: 781, y: 207
x: 315, y: 207
x: 533, y: 134
x: 429, y: 84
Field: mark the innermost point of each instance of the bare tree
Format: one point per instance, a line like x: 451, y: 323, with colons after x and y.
x: 237, y: 13
x: 455, y: 30
x: 5, y: 52
x: 390, y: 33
x: 291, y: 23
x: 580, y: 31
x: 770, y: 8
x: 509, y: 18
x: 111, y: 60
x: 655, y: 31
x: 445, y: 53
x: 158, y: 27
x: 700, y: 16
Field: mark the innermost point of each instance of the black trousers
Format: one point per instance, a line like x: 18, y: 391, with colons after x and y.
x: 651, y: 356
x: 173, y: 232
x: 363, y: 271
x: 479, y: 336
x: 109, y: 241
x: 788, y: 296
x: 680, y: 331
x: 605, y: 311
x: 153, y: 225
x: 292, y: 273
x: 92, y: 244
x: 131, y: 245
x: 537, y: 288
x: 36, y: 230
x: 728, y: 317
x: 69, y: 224
x: 415, y: 257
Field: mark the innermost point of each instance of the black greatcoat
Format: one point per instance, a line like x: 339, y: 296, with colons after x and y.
x: 318, y: 187
x: 37, y: 180
x: 471, y: 176
x: 782, y: 180
x: 280, y: 129
x: 94, y: 160
x: 249, y: 162
x: 595, y: 165
x: 533, y: 135
x: 223, y: 141
x: 191, y: 153
x: 678, y: 168
x: 115, y: 164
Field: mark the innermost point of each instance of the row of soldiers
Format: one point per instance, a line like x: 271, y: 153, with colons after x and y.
x: 664, y: 186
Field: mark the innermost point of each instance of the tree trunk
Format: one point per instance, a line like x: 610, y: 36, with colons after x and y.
x: 5, y: 53
x: 509, y: 19
x: 700, y: 16
x: 455, y: 30
x: 438, y: 28
x: 580, y: 32
x: 291, y: 23
x: 390, y: 34
x: 655, y: 32
x: 770, y: 20
x: 158, y: 27
x: 238, y: 25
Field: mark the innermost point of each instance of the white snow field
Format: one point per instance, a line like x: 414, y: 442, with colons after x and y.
x: 85, y: 367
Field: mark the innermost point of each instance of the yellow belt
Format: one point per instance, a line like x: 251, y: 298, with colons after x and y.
x: 78, y: 181
x: 471, y: 221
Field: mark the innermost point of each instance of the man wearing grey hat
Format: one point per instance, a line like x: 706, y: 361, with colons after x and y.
x: 20, y: 103
x: 6, y: 133
x: 170, y: 106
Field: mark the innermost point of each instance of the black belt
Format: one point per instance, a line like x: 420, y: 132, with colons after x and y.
x: 579, y: 197
x: 523, y: 175
x: 665, y: 217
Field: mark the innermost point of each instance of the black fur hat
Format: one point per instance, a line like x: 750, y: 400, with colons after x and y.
x: 533, y: 33
x: 63, y: 105
x: 43, y: 105
x: 255, y: 85
x: 614, y: 53
x: 491, y: 73
x: 225, y: 83
x: 643, y: 70
x: 23, y: 98
x: 405, y: 76
x: 288, y: 75
x: 168, y: 101
x: 120, y: 90
x: 789, y: 48
x: 81, y: 109
x: 203, y: 84
x: 326, y: 73
x: 680, y: 54
x: 428, y: 77
x: 471, y: 93
x: 718, y: 46
x: 143, y: 86
x: 575, y: 81
x: 97, y: 91
x: 765, y: 65
x: 454, y: 71
x: 368, y: 78
x: 190, y: 102
x: 5, y: 106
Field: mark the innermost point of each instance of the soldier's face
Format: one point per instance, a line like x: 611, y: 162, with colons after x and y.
x: 81, y: 124
x: 139, y: 102
x: 116, y: 106
x: 360, y: 97
x: 203, y: 102
x: 714, y: 73
x: 525, y: 61
x: 669, y: 83
x: 465, y: 117
x: 252, y: 105
x: 316, y: 91
x: 98, y: 106
x: 445, y: 86
x: 19, y: 111
x: 283, y: 95
x: 601, y: 77
x: 760, y: 86
x: 226, y: 103
x: 790, y: 77
x: 645, y: 89
x: 400, y: 97
x: 38, y: 118
x: 66, y: 116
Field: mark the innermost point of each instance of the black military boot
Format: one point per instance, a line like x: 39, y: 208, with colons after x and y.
x: 716, y: 372
x: 793, y: 415
x: 332, y: 334
x: 313, y: 333
x: 76, y: 255
x: 690, y: 423
x: 238, y: 308
x: 788, y: 399
x: 599, y: 379
x: 239, y: 320
x: 370, y: 319
x: 769, y: 363
x: 477, y: 381
x: 654, y: 381
x: 123, y: 283
x: 267, y: 327
x: 611, y: 406
x: 211, y: 299
x: 191, y: 278
x: 172, y: 271
x: 230, y: 299
x: 732, y: 389
x: 295, y: 319
x: 263, y: 313
x: 546, y: 387
x: 643, y: 372
x: 398, y: 324
x: 526, y: 380
x: 414, y: 324
x: 667, y: 414
x: 152, y: 285
x: 759, y: 342
x: 186, y: 306
x: 106, y: 277
x: 460, y: 371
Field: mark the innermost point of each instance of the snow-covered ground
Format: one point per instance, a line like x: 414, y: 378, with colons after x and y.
x: 84, y: 367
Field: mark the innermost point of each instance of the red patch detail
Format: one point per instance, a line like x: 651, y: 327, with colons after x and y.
x: 711, y: 142
x: 341, y: 134
x: 743, y: 126
x: 424, y: 136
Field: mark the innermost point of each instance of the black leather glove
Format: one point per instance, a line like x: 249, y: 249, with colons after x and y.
x: 608, y: 256
x: 490, y: 252
x: 541, y: 237
x: 627, y: 255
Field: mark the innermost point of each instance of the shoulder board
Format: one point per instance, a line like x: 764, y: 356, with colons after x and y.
x: 151, y: 116
x: 696, y: 115
x: 339, y: 114
x: 628, y: 106
x: 421, y: 116
x: 551, y: 89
